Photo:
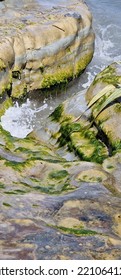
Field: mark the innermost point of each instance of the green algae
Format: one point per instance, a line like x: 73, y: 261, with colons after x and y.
x: 19, y: 91
x: 7, y: 86
x: 57, y: 175
x: 9, y: 140
x: 108, y: 75
x: 6, y: 204
x: 64, y: 75
x: 82, y: 63
x: 82, y: 141
x: 18, y: 166
x: 5, y: 105
x: 2, y: 186
x: 110, y: 166
x: 79, y: 232
x: 15, y: 192
x: 117, y: 108
x: 59, y: 77
x: 57, y: 113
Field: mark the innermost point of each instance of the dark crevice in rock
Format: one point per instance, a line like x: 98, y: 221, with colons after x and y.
x: 103, y: 138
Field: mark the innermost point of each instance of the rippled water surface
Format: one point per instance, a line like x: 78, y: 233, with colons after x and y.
x: 107, y: 27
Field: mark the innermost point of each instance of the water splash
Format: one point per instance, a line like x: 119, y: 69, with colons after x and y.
x: 20, y: 120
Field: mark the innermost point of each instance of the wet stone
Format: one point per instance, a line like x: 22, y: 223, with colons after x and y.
x: 60, y: 192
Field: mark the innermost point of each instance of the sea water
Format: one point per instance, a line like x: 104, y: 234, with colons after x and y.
x: 20, y: 120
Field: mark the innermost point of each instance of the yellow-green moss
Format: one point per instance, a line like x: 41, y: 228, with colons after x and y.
x: 57, y: 175
x: 108, y: 75
x: 59, y: 77
x: 19, y: 91
x: 64, y: 75
x: 7, y: 86
x: 117, y: 108
x: 56, y: 115
x: 78, y: 232
x: 5, y: 105
x: 8, y: 139
x: 82, y: 63
x: 82, y: 141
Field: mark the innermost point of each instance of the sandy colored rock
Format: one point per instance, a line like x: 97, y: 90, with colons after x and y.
x: 108, y: 119
x: 43, y: 45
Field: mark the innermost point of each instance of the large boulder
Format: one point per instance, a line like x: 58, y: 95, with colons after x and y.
x: 43, y: 46
x: 106, y: 111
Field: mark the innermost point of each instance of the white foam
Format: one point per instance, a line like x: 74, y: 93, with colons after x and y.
x: 19, y: 120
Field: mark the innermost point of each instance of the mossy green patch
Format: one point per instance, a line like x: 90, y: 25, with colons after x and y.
x: 2, y: 186
x: 75, y: 231
x: 83, y: 141
x: 5, y: 105
x: 19, y: 91
x: 6, y: 204
x: 57, y: 175
x: 110, y: 166
x: 18, y: 166
x: 66, y: 129
x: 9, y: 140
x: 118, y: 108
x: 7, y: 85
x: 57, y: 114
x: 62, y: 76
x: 82, y: 63
x: 108, y: 75
x: 15, y: 192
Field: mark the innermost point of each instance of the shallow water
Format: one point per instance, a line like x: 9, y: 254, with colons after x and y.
x: 107, y: 27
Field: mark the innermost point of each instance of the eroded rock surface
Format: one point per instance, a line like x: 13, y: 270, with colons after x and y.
x: 60, y: 193
x: 43, y: 45
x: 57, y: 203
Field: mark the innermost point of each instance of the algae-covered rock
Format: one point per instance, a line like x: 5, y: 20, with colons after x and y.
x: 42, y: 45
x: 112, y: 165
x: 78, y: 136
x: 47, y: 199
x: 106, y: 110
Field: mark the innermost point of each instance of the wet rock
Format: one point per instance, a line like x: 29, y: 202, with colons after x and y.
x: 113, y: 166
x: 77, y: 136
x: 9, y: 156
x: 71, y: 199
x: 107, y: 119
x: 41, y: 47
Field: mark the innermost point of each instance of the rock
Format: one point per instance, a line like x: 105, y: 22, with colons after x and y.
x: 112, y: 165
x: 62, y: 188
x: 77, y: 136
x: 48, y: 200
x: 108, y: 119
x: 52, y: 50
